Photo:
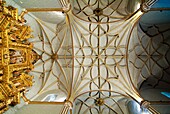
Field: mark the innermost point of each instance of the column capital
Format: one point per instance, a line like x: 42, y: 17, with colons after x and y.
x: 68, y: 104
x: 146, y: 6
x: 145, y: 104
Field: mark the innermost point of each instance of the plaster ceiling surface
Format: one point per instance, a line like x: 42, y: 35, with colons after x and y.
x: 52, y: 17
x: 90, y: 55
x: 156, y: 17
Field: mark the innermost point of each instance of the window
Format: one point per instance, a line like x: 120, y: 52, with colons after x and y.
x: 167, y: 94
x: 50, y: 98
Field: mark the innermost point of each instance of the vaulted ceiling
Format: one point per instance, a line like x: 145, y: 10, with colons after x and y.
x: 96, y: 54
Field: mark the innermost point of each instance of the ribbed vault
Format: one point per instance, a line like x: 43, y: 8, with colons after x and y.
x: 88, y: 55
x: 91, y: 55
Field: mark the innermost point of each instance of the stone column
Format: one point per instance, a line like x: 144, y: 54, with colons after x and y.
x: 67, y: 106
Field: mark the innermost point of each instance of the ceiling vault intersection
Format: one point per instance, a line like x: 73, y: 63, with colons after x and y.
x: 92, y: 56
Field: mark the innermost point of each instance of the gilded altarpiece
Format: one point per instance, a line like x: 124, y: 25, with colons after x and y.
x: 16, y: 56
